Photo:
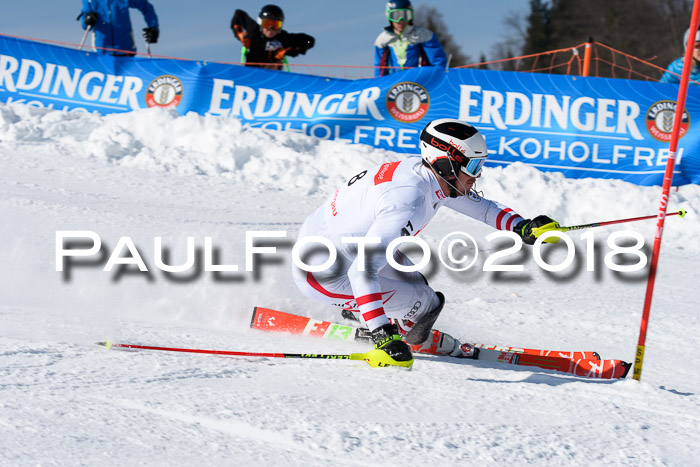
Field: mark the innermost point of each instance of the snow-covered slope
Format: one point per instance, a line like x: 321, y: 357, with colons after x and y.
x: 153, y: 174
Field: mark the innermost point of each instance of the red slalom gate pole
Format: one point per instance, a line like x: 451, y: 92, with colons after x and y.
x: 668, y: 179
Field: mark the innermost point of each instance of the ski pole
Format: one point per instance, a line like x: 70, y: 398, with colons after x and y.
x: 148, y: 49
x: 537, y: 231
x: 85, y: 34
x: 87, y: 29
x: 374, y: 358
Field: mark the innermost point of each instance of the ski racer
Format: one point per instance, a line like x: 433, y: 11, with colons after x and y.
x: 265, y: 42
x: 110, y: 22
x: 382, y: 204
x: 403, y: 45
x: 677, y: 65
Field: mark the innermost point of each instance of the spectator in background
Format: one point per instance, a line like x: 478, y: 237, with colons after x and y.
x: 677, y: 65
x: 265, y: 43
x: 110, y: 22
x: 403, y: 45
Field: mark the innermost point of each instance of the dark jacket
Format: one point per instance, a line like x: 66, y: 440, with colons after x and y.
x: 264, y: 50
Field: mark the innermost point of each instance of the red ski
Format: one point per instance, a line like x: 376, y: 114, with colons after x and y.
x: 586, y: 364
x: 602, y: 369
x: 267, y: 319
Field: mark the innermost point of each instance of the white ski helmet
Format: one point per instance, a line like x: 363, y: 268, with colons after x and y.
x: 448, y: 145
x: 685, y: 36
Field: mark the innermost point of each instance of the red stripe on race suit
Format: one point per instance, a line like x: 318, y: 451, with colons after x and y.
x: 373, y: 297
x: 509, y: 224
x: 319, y: 288
x: 500, y: 217
x: 373, y: 314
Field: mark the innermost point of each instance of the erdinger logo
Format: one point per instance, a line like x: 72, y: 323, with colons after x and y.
x: 659, y: 120
x: 449, y: 149
x: 407, y: 102
x: 164, y: 91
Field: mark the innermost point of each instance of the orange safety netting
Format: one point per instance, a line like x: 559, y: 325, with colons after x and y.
x: 598, y: 60
x: 602, y: 61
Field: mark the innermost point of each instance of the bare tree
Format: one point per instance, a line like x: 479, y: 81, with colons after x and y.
x: 514, y: 35
x: 651, y: 30
x: 431, y: 18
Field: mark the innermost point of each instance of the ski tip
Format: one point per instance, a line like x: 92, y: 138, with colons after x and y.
x: 627, y: 367
x: 252, y: 318
x: 596, y: 355
x: 106, y: 344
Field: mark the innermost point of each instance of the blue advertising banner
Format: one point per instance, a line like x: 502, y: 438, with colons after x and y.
x: 583, y: 127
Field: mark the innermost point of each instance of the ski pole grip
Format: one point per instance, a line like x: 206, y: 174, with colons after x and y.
x: 537, y: 231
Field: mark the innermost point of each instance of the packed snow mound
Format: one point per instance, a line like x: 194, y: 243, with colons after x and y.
x: 264, y: 160
x: 158, y: 139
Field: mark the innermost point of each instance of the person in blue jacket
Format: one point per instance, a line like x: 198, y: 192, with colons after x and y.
x: 110, y: 22
x: 677, y: 65
x: 403, y: 45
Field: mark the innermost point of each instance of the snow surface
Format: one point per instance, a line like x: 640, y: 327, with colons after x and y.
x: 66, y: 401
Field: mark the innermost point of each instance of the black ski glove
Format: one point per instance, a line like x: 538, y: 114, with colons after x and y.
x: 90, y: 19
x: 525, y: 226
x: 151, y: 34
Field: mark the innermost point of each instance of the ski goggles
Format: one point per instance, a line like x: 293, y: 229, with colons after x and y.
x: 453, y: 158
x: 404, y: 14
x: 473, y: 167
x: 271, y: 24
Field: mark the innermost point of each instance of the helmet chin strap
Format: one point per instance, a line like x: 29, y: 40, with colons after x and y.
x: 454, y: 191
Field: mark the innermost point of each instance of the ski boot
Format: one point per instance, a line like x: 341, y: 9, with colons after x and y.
x: 440, y: 343
x: 387, y: 340
x: 420, y: 331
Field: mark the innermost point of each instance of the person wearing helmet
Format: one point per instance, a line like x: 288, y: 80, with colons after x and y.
x: 265, y: 43
x: 674, y: 70
x: 403, y: 45
x: 362, y: 218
